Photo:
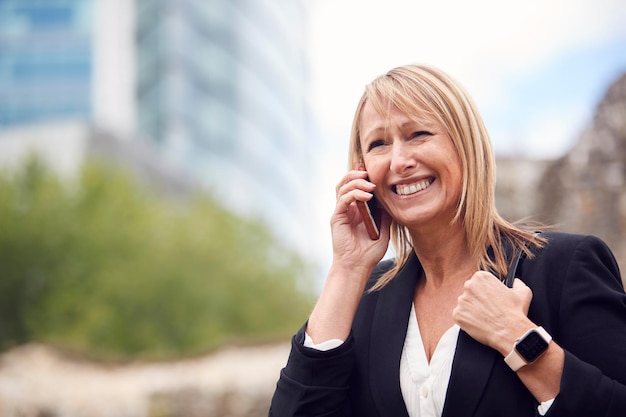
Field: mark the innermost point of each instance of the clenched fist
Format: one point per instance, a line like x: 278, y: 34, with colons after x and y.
x: 492, y: 313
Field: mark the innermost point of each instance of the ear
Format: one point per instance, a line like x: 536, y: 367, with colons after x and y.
x: 359, y: 165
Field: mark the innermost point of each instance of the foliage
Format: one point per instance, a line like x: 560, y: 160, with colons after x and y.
x: 103, y: 267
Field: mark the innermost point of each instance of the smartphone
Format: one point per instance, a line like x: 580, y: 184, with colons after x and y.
x: 371, y: 213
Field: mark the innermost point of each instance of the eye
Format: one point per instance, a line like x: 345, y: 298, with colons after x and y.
x: 375, y: 143
x: 420, y: 134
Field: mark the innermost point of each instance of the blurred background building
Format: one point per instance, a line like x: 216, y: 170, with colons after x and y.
x: 214, y: 92
x: 45, y: 60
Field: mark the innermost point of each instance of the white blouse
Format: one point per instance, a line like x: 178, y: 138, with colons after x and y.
x: 423, y: 384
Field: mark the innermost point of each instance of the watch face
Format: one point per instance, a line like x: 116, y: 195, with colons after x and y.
x: 531, y: 346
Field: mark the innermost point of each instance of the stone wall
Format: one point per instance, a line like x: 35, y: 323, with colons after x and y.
x: 585, y: 190
x: 38, y: 381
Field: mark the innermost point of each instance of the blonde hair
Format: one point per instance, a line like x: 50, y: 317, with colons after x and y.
x: 418, y: 91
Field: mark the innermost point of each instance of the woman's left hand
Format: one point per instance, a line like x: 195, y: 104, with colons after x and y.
x: 492, y: 313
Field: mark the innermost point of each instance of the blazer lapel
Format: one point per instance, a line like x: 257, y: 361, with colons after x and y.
x: 387, y: 340
x: 471, y: 368
x: 472, y: 365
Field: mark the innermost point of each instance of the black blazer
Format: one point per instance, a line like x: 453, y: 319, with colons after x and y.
x: 578, y: 297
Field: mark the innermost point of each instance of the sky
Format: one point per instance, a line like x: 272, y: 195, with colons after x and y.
x: 536, y: 68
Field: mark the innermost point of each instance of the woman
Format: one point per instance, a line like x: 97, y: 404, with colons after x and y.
x: 435, y: 332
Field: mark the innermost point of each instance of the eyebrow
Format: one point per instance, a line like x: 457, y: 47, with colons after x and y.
x: 402, y: 127
x: 365, y: 135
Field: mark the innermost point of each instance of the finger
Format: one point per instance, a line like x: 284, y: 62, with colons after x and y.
x: 346, y: 199
x: 520, y: 287
x: 484, y: 275
x: 350, y: 176
x: 478, y: 280
x: 518, y: 283
x: 355, y: 184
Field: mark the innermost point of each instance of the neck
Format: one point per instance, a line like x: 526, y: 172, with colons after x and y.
x: 445, y: 256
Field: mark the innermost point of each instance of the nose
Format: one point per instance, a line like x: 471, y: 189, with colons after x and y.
x: 401, y: 158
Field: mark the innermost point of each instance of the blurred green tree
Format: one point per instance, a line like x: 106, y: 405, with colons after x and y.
x: 106, y: 268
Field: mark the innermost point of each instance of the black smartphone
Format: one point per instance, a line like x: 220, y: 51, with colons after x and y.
x: 371, y: 213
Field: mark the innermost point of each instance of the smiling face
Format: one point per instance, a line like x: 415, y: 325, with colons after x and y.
x: 414, y: 165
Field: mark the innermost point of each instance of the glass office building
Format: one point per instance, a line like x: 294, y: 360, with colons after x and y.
x: 218, y: 86
x: 45, y: 60
x: 221, y: 88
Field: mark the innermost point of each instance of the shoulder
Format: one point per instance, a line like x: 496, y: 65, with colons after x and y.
x: 402, y: 282
x: 565, y: 254
x: 575, y: 281
x: 400, y: 276
x: 563, y: 239
x: 380, y: 269
x: 570, y: 244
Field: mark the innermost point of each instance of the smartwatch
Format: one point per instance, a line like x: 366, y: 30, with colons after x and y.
x: 528, y: 348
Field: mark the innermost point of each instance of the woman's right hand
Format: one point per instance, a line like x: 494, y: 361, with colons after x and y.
x: 354, y: 256
x: 352, y: 246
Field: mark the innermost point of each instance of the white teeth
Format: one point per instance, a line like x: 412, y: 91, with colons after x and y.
x: 413, y: 188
